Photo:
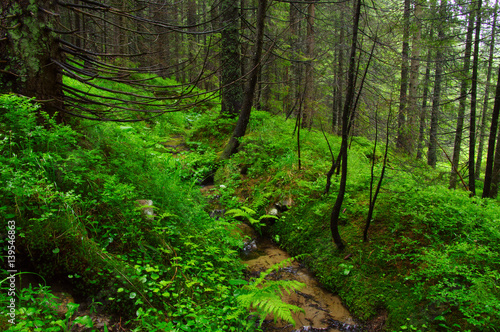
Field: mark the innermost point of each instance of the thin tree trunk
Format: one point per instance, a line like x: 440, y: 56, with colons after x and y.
x: 462, y: 101
x: 413, y: 108
x: 495, y: 173
x: 340, y: 77
x: 309, y: 77
x: 296, y: 66
x: 402, y: 139
x: 492, y: 156
x: 244, y: 118
x: 436, y: 99
x: 482, y: 130
x: 423, y: 110
x: 373, y: 199
x: 191, y: 39
x: 346, y: 117
x: 473, y: 102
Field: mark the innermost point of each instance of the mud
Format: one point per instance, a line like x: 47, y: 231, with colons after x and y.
x: 323, y: 310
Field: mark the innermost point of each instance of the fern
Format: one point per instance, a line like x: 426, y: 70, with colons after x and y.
x: 248, y: 214
x: 265, y: 295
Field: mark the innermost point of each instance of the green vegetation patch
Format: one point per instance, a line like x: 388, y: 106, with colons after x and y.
x: 433, y: 257
x: 73, y: 195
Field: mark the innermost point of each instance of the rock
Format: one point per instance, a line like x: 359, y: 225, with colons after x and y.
x: 284, y: 205
x: 274, y: 212
x: 250, y: 246
x: 146, y: 207
x: 216, y: 214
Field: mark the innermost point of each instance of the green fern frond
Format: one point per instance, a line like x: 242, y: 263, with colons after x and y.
x: 238, y: 213
x: 267, y: 216
x: 267, y: 302
x: 248, y: 210
x: 245, y: 213
x: 265, y: 295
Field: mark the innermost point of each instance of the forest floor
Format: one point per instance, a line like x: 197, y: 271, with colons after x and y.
x: 431, y: 263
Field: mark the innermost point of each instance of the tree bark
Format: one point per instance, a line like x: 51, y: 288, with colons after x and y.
x: 373, y: 197
x: 473, y: 103
x: 462, y: 101
x: 423, y: 110
x: 232, y: 89
x: 491, y: 155
x: 309, y: 77
x: 244, y: 118
x: 436, y: 99
x: 295, y: 89
x: 27, y: 68
x: 413, y: 108
x: 346, y: 118
x: 339, y: 80
x: 492, y: 180
x: 482, y: 130
x: 402, y: 139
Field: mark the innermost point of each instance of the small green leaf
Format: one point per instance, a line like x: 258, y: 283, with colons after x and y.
x: 83, y: 320
x: 56, y: 251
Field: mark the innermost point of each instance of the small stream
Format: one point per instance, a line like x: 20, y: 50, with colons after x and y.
x: 323, y: 310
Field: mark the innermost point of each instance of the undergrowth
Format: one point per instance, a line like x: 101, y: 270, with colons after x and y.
x: 73, y: 196
x: 433, y: 257
x: 431, y: 263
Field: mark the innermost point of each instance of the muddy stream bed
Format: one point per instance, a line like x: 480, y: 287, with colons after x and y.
x: 323, y: 311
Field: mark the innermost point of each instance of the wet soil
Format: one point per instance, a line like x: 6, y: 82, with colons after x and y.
x: 323, y: 311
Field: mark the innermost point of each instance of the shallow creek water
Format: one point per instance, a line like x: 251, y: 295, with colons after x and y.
x: 323, y: 310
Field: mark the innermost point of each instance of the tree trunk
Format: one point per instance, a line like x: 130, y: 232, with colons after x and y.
x: 493, y: 157
x: 492, y: 179
x: 232, y: 88
x: 413, y: 108
x: 423, y: 110
x: 309, y: 77
x: 373, y: 197
x: 27, y: 68
x: 462, y: 101
x: 339, y: 78
x: 244, y: 118
x: 436, y: 99
x: 296, y: 67
x: 191, y: 40
x: 473, y: 102
x: 482, y: 130
x: 402, y: 139
x: 346, y: 118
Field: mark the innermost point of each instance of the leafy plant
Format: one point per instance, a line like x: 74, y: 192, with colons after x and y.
x: 37, y: 311
x: 247, y: 214
x: 265, y: 295
x: 73, y: 198
x: 346, y: 268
